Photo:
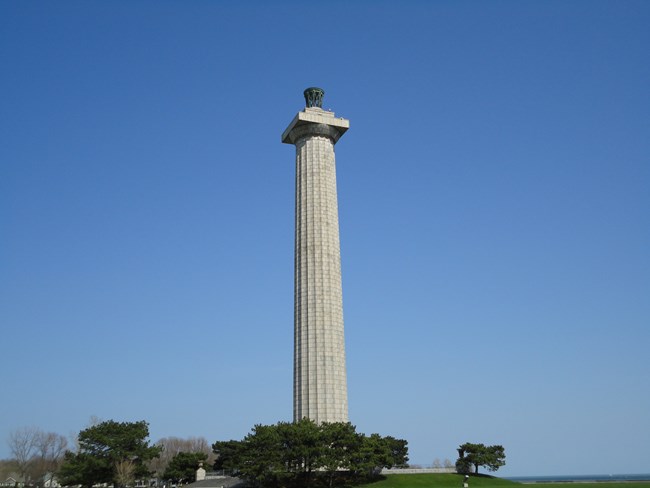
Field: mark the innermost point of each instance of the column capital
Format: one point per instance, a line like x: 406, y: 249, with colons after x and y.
x: 315, y: 121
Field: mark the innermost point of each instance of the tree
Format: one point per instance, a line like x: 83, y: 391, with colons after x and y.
x: 340, y: 442
x: 124, y: 472
x: 260, y: 457
x: 49, y: 448
x: 84, y: 469
x: 22, y: 443
x: 227, y: 455
x: 301, y: 448
x: 378, y: 452
x: 490, y: 457
x: 183, y: 466
x: 105, y: 453
x: 397, y: 453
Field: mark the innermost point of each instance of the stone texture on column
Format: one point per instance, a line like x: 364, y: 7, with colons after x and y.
x: 320, y: 382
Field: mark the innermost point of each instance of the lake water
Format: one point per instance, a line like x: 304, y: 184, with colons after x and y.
x: 579, y: 478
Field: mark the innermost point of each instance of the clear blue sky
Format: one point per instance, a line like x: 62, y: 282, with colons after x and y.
x: 494, y: 194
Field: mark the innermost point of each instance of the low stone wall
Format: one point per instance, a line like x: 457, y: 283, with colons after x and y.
x: 217, y: 475
x: 417, y: 470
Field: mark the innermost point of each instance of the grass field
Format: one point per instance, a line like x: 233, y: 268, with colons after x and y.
x: 482, y: 481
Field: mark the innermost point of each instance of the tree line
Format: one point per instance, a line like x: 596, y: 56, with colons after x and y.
x: 284, y: 455
x: 281, y: 455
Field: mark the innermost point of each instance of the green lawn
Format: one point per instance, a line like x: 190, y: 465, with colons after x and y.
x: 482, y: 481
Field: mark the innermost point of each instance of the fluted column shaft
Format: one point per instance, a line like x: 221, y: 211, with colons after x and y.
x: 320, y: 383
x: 320, y: 386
